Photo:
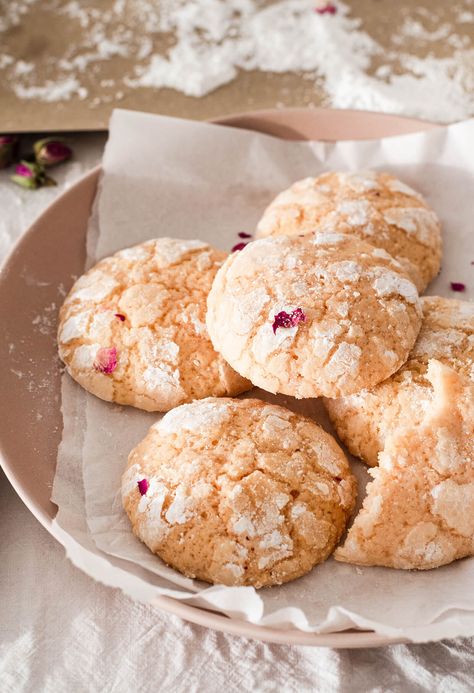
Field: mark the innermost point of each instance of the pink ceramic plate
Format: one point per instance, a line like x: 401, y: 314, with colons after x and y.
x: 32, y: 285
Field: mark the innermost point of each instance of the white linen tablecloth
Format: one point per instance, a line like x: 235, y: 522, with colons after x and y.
x: 61, y: 631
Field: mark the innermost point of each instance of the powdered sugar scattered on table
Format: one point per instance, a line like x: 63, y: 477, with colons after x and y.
x: 196, y: 46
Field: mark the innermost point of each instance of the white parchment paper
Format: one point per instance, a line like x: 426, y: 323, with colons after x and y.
x: 165, y: 176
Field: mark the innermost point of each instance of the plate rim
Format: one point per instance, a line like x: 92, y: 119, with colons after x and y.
x: 350, y: 638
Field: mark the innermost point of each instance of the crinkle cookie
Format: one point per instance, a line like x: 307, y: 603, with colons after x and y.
x: 364, y: 420
x: 132, y: 329
x: 419, y: 510
x: 373, y: 206
x: 238, y: 492
x: 322, y: 314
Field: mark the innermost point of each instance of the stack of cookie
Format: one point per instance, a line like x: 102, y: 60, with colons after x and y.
x: 325, y: 303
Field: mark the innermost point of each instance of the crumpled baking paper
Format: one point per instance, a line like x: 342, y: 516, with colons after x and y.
x: 170, y: 177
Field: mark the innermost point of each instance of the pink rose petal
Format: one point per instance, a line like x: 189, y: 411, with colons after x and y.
x: 106, y: 360
x: 328, y: 8
x: 24, y: 170
x: 286, y: 320
x: 143, y: 486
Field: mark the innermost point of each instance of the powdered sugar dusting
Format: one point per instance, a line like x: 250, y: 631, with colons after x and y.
x: 416, y: 221
x: 325, y: 335
x: 133, y: 254
x: 346, y: 271
x: 152, y: 527
x: 190, y: 316
x: 398, y: 186
x: 266, y: 341
x: 191, y: 417
x: 160, y: 362
x: 323, y: 238
x: 95, y: 286
x: 303, y: 193
x: 74, y: 327
x: 235, y: 570
x: 51, y: 91
x: 421, y: 540
x: 447, y: 458
x: 297, y: 510
x: 100, y: 325
x: 455, y: 504
x: 205, y: 43
x: 154, y: 351
x: 359, y: 181
x: 162, y: 378
x: 271, y: 540
x: 181, y: 509
x: 381, y: 253
x: 84, y: 356
x: 169, y: 251
x: 355, y: 211
x: 344, y: 361
x: 275, y: 425
x: 279, y: 547
x: 243, y: 525
x: 388, y: 283
x: 247, y: 309
x: 465, y: 309
x: 130, y: 479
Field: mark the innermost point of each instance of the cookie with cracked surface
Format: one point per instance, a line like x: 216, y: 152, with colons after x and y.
x: 321, y: 314
x: 419, y: 509
x: 364, y: 420
x: 374, y: 206
x: 238, y: 492
x: 132, y: 329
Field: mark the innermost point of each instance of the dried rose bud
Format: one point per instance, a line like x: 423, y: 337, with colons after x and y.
x: 143, y: 486
x: 8, y: 148
x: 106, y: 360
x: 284, y: 319
x: 27, y: 170
x: 29, y: 175
x: 51, y: 151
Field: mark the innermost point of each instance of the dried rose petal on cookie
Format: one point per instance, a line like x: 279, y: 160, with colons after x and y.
x: 106, y: 360
x: 284, y: 319
x: 143, y: 486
